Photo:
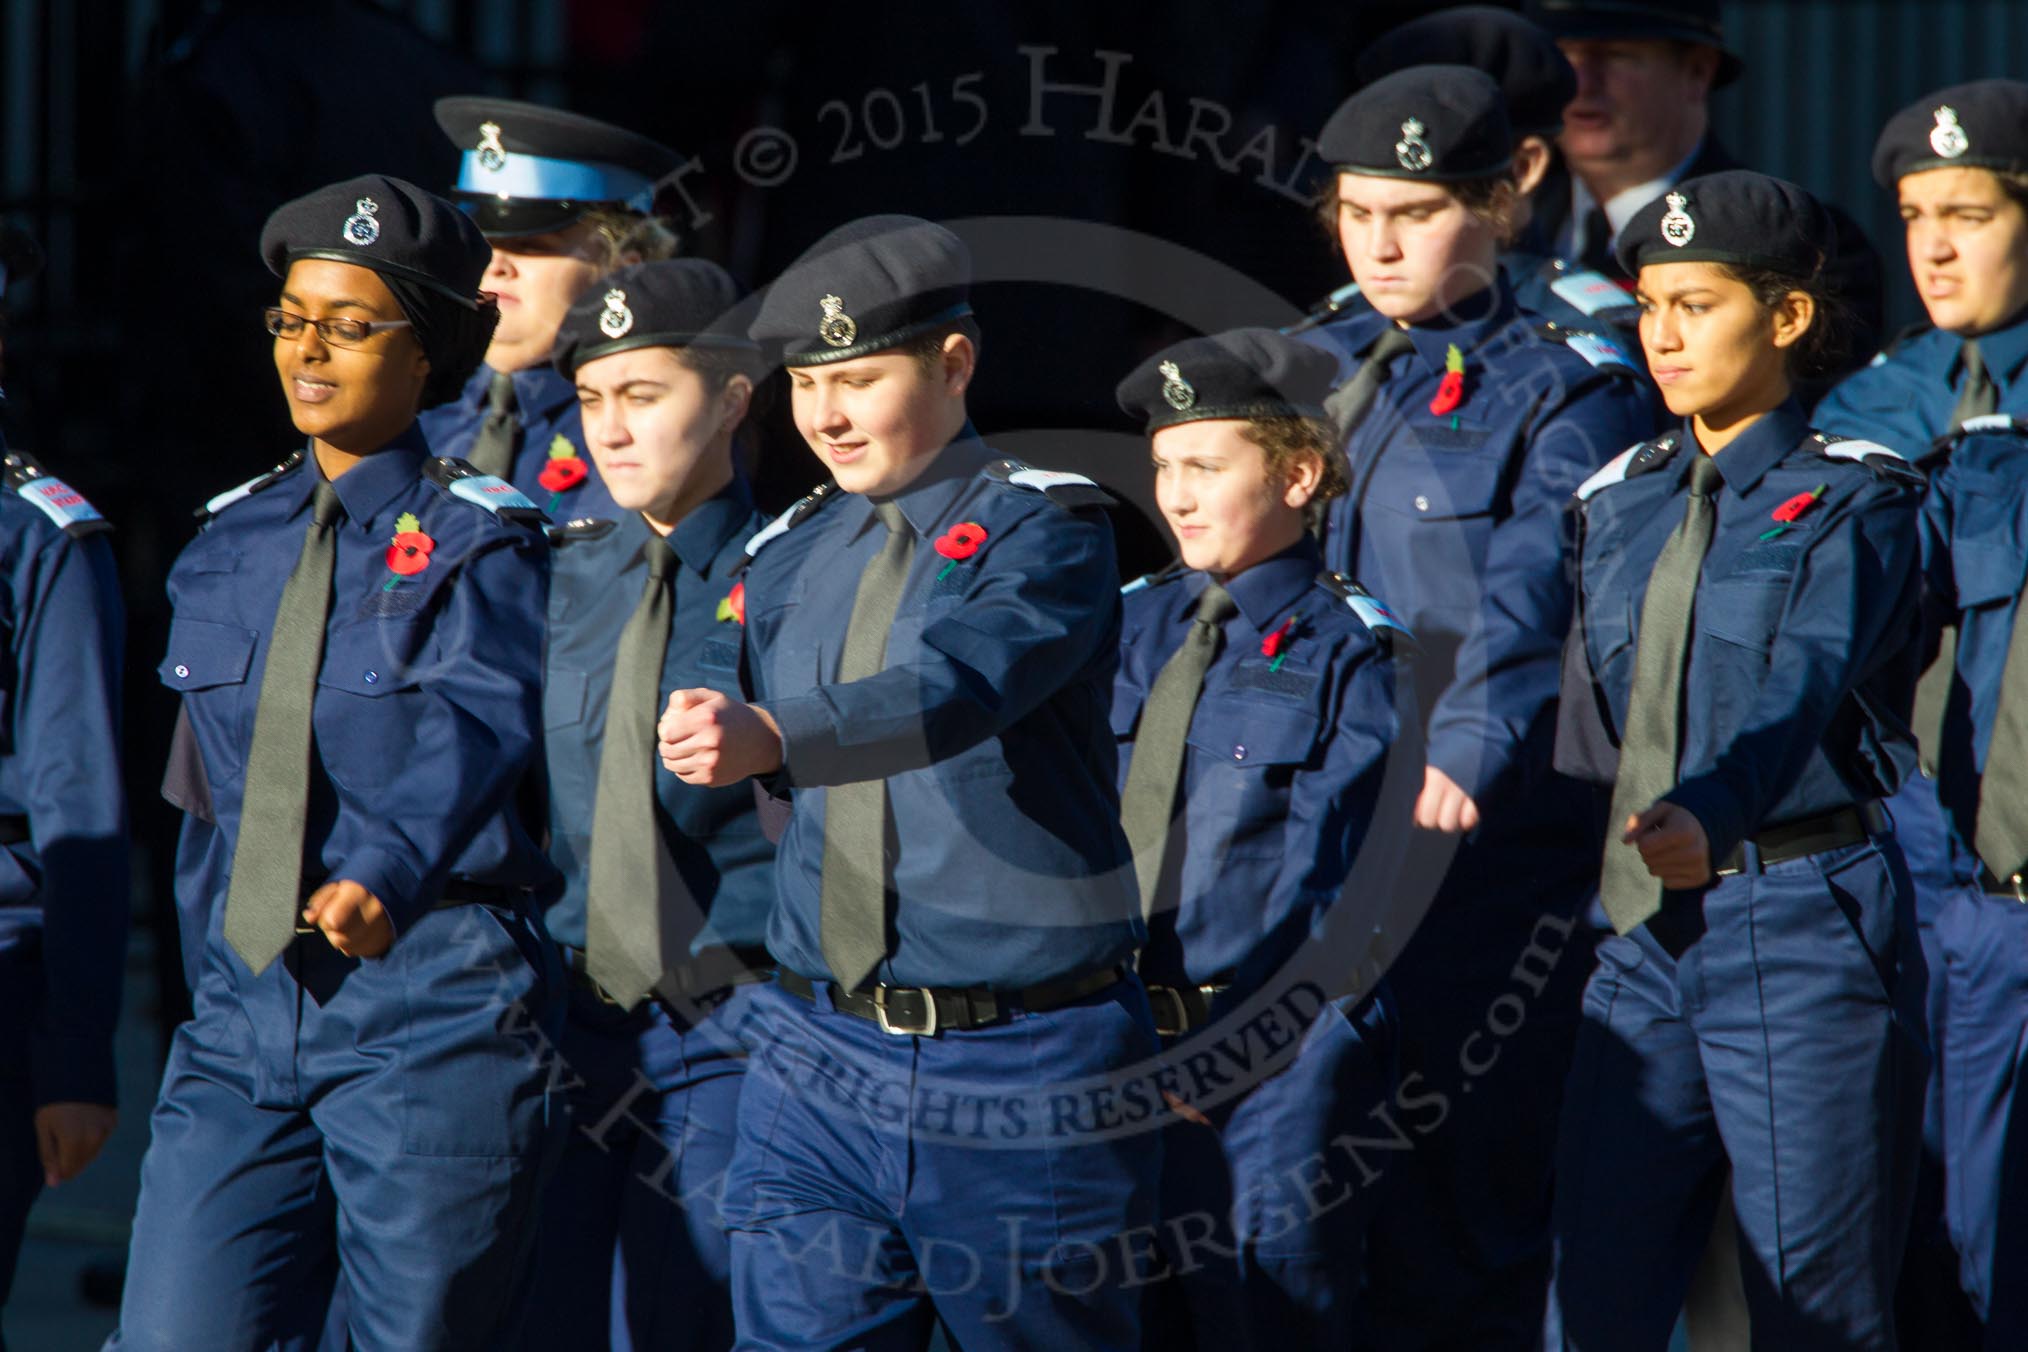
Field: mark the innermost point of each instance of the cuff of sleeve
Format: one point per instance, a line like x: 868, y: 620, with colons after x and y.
x: 1715, y: 810
x: 380, y: 872
x: 72, y: 1068
x: 808, y: 739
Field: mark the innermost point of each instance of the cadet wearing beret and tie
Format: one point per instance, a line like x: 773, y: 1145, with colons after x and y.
x: 1468, y: 425
x: 63, y: 839
x: 357, y: 642
x: 931, y: 644
x: 667, y: 886
x: 1739, y: 673
x: 1537, y: 83
x: 1957, y: 160
x: 1270, y: 753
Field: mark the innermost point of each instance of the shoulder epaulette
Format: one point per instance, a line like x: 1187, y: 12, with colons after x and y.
x: 1167, y: 573
x: 1377, y: 617
x: 1882, y: 460
x: 1062, y: 488
x: 497, y: 496
x: 804, y: 508
x: 1326, y: 310
x: 59, y: 502
x: 1601, y: 351
x: 250, y: 487
x: 1642, y: 457
x: 582, y: 528
x: 1586, y: 290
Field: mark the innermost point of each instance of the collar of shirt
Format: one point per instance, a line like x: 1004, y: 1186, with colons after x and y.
x: 538, y: 390
x: 1757, y: 450
x: 929, y: 496
x: 1265, y: 592
x: 368, y: 486
x: 2003, y: 350
x: 704, y: 532
x: 1465, y: 323
x: 1622, y: 206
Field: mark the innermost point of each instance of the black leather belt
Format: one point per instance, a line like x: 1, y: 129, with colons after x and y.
x: 457, y: 892
x: 712, y: 970
x: 13, y: 830
x: 1178, y: 1009
x: 1812, y: 835
x: 924, y: 1011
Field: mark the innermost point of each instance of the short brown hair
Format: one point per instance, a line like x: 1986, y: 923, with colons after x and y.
x: 631, y: 237
x: 928, y: 348
x: 1491, y: 199
x: 1288, y: 438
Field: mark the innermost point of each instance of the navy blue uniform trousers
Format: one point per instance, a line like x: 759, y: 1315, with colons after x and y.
x: 996, y: 1178
x: 397, y: 1107
x: 1774, y: 1024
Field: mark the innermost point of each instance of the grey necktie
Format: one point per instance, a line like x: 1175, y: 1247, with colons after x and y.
x: 266, y: 892
x: 1148, y: 804
x: 1653, y: 737
x: 2002, y: 835
x: 631, y: 871
x: 499, y: 431
x: 853, y: 895
x: 1978, y: 396
x: 1349, y: 404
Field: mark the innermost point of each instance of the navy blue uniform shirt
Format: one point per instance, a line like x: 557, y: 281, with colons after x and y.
x: 714, y: 835
x: 1975, y: 558
x: 1905, y: 398
x: 988, y: 723
x: 1283, y: 770
x: 60, y: 769
x: 1447, y: 511
x: 1803, y: 644
x: 428, y: 701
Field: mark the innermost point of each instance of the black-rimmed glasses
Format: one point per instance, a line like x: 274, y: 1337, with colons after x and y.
x: 337, y: 332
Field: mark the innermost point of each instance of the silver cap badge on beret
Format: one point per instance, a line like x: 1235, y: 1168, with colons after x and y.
x: 1677, y: 227
x: 492, y: 155
x: 362, y: 227
x: 1947, y: 138
x: 1411, y: 151
x: 836, y: 327
x: 1179, y: 393
x: 616, y: 318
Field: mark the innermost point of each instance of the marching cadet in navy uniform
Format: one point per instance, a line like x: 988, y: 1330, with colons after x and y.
x: 1469, y: 425
x: 1744, y: 652
x: 932, y: 645
x: 357, y: 641
x: 1537, y: 83
x: 63, y: 839
x: 666, y: 886
x: 1260, y: 712
x: 562, y: 200
x: 1957, y: 160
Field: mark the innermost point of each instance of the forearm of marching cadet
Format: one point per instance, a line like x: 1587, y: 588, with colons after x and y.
x: 1043, y: 608
x: 1587, y: 747
x: 476, y: 737
x: 1852, y: 605
x: 1939, y: 578
x: 68, y: 653
x: 1507, y: 668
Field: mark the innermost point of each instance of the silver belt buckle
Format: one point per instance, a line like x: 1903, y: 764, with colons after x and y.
x: 1180, y: 1024
x: 2020, y: 889
x: 887, y: 1025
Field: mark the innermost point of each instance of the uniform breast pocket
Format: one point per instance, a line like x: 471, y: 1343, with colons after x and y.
x: 1254, y: 750
x: 563, y: 698
x: 370, y: 704
x: 1608, y: 630
x: 1442, y: 507
x: 207, y: 663
x: 1744, y: 611
x: 1986, y: 514
x: 1988, y: 571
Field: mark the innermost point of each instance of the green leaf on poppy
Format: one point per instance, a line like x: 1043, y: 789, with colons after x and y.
x: 406, y: 522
